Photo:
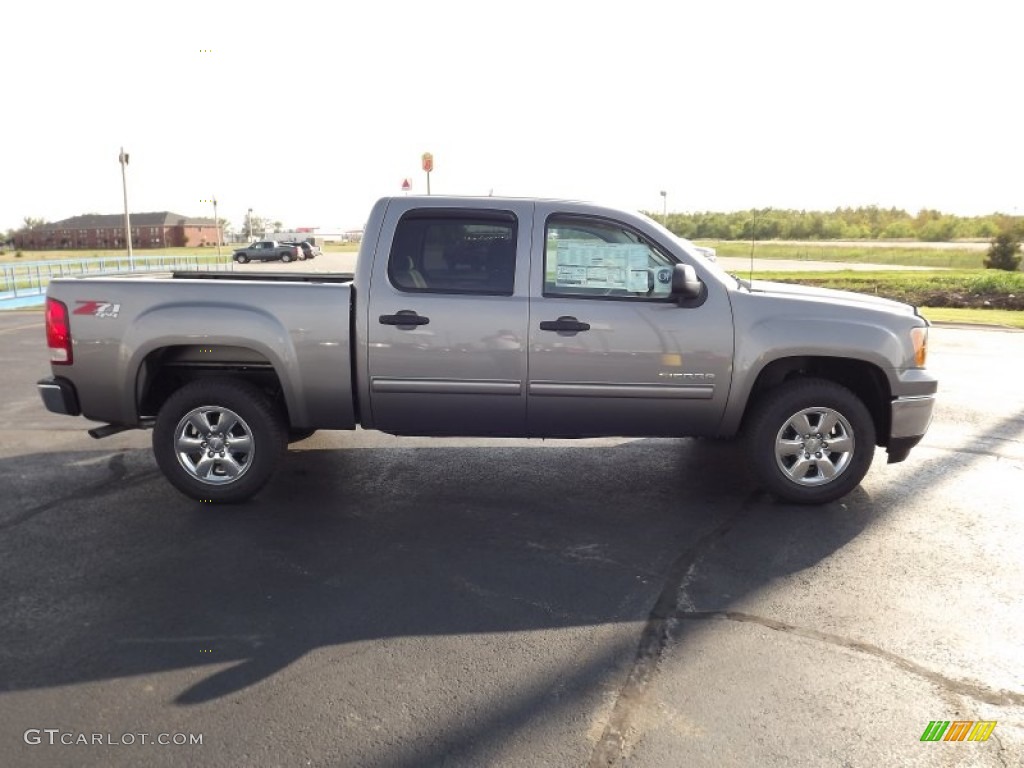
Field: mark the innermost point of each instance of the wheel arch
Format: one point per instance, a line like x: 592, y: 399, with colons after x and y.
x: 866, y: 380
x: 165, y: 369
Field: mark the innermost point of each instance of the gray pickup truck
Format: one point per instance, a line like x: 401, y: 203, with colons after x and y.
x: 492, y: 317
x: 268, y: 250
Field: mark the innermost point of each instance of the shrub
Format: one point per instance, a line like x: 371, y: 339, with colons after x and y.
x: 1002, y: 254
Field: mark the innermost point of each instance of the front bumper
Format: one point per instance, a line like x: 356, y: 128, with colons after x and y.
x: 59, y: 395
x: 911, y: 416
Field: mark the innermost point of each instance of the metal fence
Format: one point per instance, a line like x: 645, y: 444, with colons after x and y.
x: 24, y: 284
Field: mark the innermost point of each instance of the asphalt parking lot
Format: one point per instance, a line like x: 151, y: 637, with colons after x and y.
x: 415, y: 602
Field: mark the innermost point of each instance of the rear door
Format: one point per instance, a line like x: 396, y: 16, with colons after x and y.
x: 448, y: 317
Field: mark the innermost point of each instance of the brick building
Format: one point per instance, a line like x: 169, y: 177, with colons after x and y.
x: 162, y: 229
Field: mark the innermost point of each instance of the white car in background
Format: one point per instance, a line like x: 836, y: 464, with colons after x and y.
x: 708, y: 253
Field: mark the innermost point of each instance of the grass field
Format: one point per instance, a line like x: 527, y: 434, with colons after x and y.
x: 950, y: 258
x: 972, y: 279
x: 1003, y: 317
x: 980, y: 289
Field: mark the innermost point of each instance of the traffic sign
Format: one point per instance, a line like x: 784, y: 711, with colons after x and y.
x: 428, y: 162
x: 406, y: 185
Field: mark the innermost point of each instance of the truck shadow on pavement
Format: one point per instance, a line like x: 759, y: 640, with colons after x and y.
x: 367, y: 545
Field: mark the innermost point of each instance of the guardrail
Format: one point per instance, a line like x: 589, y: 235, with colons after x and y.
x: 24, y: 284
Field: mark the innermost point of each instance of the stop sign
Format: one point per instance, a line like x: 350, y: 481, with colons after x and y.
x: 428, y: 162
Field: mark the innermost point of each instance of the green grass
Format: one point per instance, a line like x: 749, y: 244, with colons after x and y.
x: 1004, y: 317
x: 977, y: 288
x: 970, y: 279
x: 953, y: 258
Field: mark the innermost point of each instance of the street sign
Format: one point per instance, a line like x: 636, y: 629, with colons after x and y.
x: 428, y: 162
x: 406, y: 185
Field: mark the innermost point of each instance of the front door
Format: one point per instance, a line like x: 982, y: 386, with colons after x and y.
x: 611, y: 352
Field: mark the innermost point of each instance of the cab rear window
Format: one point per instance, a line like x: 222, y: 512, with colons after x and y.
x: 453, y: 252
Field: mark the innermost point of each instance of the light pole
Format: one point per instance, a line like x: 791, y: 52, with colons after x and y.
x: 123, y: 159
x: 250, y: 224
x: 664, y: 209
x: 216, y: 224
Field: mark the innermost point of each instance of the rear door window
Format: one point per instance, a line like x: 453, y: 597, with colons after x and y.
x: 442, y: 251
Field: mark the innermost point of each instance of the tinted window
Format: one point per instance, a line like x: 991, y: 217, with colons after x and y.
x: 598, y: 258
x: 453, y: 252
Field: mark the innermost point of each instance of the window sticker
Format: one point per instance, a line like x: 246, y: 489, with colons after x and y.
x: 603, y: 266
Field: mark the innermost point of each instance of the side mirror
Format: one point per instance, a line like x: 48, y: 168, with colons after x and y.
x: 685, y: 283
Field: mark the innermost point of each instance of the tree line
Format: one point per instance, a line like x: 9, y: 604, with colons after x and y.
x: 866, y: 223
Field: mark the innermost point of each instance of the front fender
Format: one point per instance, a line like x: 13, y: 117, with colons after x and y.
x: 795, y: 336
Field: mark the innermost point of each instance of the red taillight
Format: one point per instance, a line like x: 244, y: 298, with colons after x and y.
x: 58, y: 332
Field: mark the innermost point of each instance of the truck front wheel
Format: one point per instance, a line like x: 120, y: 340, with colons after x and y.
x: 811, y: 441
x: 218, y: 440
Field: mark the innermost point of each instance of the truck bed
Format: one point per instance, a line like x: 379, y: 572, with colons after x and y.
x: 131, y: 333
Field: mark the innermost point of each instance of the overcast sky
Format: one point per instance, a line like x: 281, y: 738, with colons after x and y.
x: 309, y: 111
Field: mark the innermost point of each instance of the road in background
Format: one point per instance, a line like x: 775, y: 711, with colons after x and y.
x: 407, y: 602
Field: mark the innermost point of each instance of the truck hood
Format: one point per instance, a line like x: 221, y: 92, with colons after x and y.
x: 812, y: 293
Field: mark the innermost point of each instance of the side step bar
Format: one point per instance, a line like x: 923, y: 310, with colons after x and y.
x: 112, y: 429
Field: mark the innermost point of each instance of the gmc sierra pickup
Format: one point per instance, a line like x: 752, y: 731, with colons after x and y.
x: 492, y: 317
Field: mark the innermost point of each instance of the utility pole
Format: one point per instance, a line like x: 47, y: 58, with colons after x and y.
x: 250, y: 224
x: 123, y: 159
x: 664, y: 209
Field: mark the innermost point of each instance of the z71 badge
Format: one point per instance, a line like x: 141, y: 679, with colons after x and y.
x: 97, y: 308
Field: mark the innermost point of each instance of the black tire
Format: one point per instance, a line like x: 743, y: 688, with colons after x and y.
x: 286, y: 257
x: 826, y: 462
x: 242, y: 258
x: 243, y: 457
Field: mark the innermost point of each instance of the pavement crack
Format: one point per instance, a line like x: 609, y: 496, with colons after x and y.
x: 968, y: 688
x: 621, y: 731
x: 1001, y: 752
x: 118, y: 477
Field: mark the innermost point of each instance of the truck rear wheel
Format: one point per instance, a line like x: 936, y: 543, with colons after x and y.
x: 811, y: 441
x: 286, y: 257
x: 218, y: 440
